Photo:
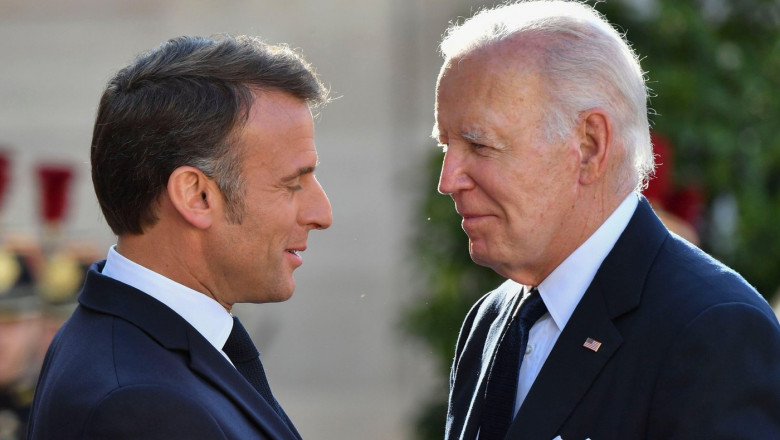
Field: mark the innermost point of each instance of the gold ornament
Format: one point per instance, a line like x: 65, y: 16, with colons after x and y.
x: 61, y: 278
x: 9, y: 272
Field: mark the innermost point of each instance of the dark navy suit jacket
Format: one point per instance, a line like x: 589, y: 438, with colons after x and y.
x: 125, y: 366
x: 689, y: 351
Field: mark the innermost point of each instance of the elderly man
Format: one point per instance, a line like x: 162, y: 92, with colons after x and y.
x: 608, y: 327
x: 202, y: 160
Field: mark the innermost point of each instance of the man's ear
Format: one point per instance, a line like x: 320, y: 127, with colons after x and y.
x: 595, y: 144
x: 194, y: 196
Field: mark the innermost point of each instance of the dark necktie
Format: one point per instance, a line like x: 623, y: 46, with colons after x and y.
x: 246, y: 358
x: 501, y: 389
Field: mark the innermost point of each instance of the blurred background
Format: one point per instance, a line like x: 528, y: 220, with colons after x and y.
x: 362, y: 350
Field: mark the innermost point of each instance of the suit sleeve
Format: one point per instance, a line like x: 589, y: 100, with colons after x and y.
x: 150, y: 412
x: 721, y: 379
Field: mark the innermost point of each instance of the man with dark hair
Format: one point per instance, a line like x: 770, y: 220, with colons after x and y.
x: 608, y: 327
x: 203, y: 162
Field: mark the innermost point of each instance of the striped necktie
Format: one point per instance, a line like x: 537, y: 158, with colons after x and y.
x: 501, y: 389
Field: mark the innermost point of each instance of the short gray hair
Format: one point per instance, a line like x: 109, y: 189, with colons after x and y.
x: 586, y: 62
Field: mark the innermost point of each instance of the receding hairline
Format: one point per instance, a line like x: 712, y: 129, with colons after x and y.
x: 516, y: 57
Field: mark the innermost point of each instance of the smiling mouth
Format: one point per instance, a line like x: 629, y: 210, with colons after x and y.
x: 294, y: 252
x: 469, y: 216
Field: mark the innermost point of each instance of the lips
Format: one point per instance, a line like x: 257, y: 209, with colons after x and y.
x: 472, y: 215
x: 474, y: 222
x: 293, y: 257
x: 295, y: 253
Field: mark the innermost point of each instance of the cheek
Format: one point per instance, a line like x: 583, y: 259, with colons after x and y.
x: 560, y: 176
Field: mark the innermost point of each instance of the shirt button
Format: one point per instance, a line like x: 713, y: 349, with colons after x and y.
x: 529, y: 349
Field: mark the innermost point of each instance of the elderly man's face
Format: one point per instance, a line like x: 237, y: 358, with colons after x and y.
x: 513, y: 188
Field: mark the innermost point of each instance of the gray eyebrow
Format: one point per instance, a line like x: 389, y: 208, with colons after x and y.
x: 480, y: 137
x: 474, y: 136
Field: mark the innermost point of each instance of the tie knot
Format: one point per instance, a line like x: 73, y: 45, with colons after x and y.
x: 239, y: 346
x: 532, y: 308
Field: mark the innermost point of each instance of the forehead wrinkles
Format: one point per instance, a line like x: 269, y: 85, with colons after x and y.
x: 476, y: 107
x: 484, y: 90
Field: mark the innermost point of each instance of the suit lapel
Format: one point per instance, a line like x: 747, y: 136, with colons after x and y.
x: 568, y: 371
x: 571, y: 368
x: 170, y: 330
x: 473, y: 415
x: 206, y: 361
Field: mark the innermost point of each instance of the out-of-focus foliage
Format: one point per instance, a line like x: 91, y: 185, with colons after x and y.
x: 714, y: 68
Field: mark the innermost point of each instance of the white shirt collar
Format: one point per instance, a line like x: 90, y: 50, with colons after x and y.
x: 205, y: 314
x: 563, y: 289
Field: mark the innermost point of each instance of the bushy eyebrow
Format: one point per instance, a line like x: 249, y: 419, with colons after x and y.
x: 480, y: 137
x: 298, y: 173
x: 472, y: 136
x: 475, y: 136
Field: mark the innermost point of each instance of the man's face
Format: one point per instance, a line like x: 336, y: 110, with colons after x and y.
x: 513, y: 188
x: 254, y: 261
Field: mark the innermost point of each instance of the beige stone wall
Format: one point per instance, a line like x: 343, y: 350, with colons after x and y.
x: 334, y: 354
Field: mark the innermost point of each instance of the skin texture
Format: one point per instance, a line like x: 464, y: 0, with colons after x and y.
x: 526, y: 202
x: 253, y: 261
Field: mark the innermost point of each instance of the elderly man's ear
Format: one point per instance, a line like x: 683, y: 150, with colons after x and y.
x: 595, y: 129
x: 196, y: 197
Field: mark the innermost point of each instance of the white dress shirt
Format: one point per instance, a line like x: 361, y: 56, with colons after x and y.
x: 563, y: 289
x: 208, y: 316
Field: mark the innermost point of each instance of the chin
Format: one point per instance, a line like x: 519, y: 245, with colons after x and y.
x: 270, y: 295
x: 478, y: 254
x: 481, y: 260
x: 269, y: 299
x: 283, y: 294
x: 497, y: 266
x: 279, y: 297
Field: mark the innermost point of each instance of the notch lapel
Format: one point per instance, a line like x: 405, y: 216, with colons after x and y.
x: 174, y: 333
x: 207, y: 362
x: 569, y: 370
x: 465, y: 378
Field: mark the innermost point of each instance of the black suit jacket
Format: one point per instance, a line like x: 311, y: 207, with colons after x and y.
x: 125, y: 366
x: 689, y: 351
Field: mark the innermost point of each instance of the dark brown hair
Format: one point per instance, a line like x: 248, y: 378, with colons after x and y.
x: 178, y: 105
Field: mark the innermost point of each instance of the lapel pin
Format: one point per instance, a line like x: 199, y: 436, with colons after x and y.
x: 592, y: 344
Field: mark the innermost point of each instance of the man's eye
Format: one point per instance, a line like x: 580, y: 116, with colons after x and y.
x: 295, y: 185
x: 477, y: 146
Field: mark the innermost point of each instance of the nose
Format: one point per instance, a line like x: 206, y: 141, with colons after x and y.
x: 453, y: 176
x: 317, y: 212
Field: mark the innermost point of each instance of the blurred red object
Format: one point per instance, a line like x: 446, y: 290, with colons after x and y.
x: 688, y: 204
x: 660, y: 188
x: 680, y: 208
x: 54, y: 181
x: 4, y: 176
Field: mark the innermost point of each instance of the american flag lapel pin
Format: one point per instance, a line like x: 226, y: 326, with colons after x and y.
x: 592, y: 344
